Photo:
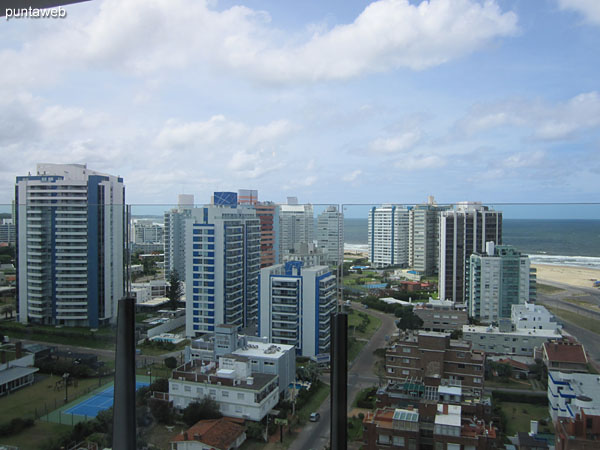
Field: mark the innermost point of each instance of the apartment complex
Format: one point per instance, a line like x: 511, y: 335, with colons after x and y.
x: 222, y: 263
x: 8, y: 232
x: 238, y: 391
x: 433, y: 356
x: 295, y: 307
x: 530, y: 315
x: 498, y: 279
x: 388, y: 236
x: 268, y: 214
x: 330, y: 235
x: 441, y: 315
x: 448, y: 428
x: 71, y: 231
x: 505, y: 339
x: 174, y: 233
x: 464, y: 231
x: 423, y: 237
x: 264, y: 356
x: 296, y: 225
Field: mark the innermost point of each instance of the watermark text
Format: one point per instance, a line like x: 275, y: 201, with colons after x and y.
x: 35, y: 13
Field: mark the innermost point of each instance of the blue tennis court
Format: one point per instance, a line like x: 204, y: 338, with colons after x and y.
x: 99, y: 402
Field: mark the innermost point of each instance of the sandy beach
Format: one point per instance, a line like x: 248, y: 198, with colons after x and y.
x: 574, y: 276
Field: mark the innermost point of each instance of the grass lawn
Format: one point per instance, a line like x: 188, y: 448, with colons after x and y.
x: 510, y: 384
x: 314, y: 403
x: 580, y: 320
x: 159, y: 436
x: 354, y: 348
x: 158, y: 371
x: 356, y: 318
x: 355, y: 429
x: 41, y: 396
x: 547, y: 289
x: 104, y: 338
x: 34, y: 436
x: 582, y: 303
x: 518, y: 416
x: 156, y: 350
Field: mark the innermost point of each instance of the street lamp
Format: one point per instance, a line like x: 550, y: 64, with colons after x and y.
x: 150, y: 375
x: 66, y: 378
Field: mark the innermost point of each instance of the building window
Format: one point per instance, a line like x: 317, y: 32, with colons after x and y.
x: 199, y: 390
x: 187, y: 388
x: 175, y: 387
x: 406, y: 349
x: 238, y: 409
x: 225, y: 394
x: 383, y: 439
x: 398, y: 441
x: 406, y: 360
x: 240, y: 396
x: 477, y: 380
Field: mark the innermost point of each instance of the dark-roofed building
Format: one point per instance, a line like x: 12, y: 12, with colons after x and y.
x: 217, y: 434
x: 565, y: 356
x: 14, y: 378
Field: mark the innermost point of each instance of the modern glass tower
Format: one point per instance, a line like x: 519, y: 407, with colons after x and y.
x: 71, y: 232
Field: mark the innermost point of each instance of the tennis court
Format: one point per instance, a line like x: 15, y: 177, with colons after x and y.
x: 91, y: 406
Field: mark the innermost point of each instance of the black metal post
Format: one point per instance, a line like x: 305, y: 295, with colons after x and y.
x: 124, y: 423
x: 339, y: 380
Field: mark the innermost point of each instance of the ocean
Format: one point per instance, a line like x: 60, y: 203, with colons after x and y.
x: 546, y: 241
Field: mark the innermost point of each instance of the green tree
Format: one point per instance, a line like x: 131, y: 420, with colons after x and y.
x: 161, y: 411
x: 175, y: 289
x: 204, y: 409
x: 171, y: 362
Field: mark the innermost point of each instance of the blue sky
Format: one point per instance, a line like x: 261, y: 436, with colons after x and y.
x: 331, y: 101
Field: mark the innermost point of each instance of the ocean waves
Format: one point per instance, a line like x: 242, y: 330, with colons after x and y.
x: 588, y: 262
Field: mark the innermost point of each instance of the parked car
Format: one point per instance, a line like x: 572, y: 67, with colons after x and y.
x: 314, y: 417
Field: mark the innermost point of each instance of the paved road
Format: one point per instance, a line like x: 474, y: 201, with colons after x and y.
x: 315, y: 435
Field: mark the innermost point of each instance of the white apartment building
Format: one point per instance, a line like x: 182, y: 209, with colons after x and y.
x: 71, y: 232
x: 330, y: 235
x: 423, y: 237
x: 264, y: 356
x: 388, y: 236
x: 222, y: 262
x: 530, y: 315
x: 296, y: 225
x: 497, y: 280
x: 464, y: 231
x: 507, y: 340
x: 174, y: 234
x: 238, y: 391
x: 144, y: 292
x: 146, y: 231
x: 295, y: 307
x: 571, y: 393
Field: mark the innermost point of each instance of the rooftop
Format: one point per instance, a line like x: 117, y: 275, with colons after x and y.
x: 263, y: 350
x: 448, y: 415
x: 218, y: 433
x: 518, y: 332
x: 564, y: 351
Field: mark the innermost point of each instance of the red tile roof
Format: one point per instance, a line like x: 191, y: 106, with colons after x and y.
x: 565, y: 352
x: 217, y: 433
x: 515, y: 364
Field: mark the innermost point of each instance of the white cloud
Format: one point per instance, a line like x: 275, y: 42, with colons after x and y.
x: 590, y: 9
x: 396, y: 144
x: 352, y: 176
x: 546, y: 121
x: 141, y: 37
x: 420, y: 162
x: 522, y: 160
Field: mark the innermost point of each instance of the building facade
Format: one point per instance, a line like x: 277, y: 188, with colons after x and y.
x: 296, y: 226
x: 530, y: 315
x: 423, y: 237
x: 222, y: 262
x: 174, y: 236
x: 268, y: 214
x: 295, y: 307
x: 388, y: 236
x: 8, y: 232
x: 441, y: 315
x: 498, y: 279
x: 330, y: 235
x: 464, y: 231
x: 432, y: 356
x: 238, y: 391
x: 71, y: 234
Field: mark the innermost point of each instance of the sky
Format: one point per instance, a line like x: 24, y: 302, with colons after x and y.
x: 340, y: 101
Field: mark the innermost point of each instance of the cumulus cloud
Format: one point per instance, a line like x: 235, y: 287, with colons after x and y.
x: 352, y: 176
x: 397, y: 143
x: 589, y: 9
x: 420, y: 162
x: 142, y: 37
x: 546, y: 121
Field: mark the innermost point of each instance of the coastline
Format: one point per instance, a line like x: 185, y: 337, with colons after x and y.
x: 573, y: 276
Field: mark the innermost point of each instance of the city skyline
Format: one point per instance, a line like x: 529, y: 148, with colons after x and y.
x: 345, y: 101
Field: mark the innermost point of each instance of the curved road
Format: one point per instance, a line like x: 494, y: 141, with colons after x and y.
x: 315, y: 435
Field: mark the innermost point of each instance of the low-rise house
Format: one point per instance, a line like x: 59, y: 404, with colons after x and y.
x: 216, y: 434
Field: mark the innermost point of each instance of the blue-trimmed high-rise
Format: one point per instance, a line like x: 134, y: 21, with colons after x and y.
x: 71, y: 232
